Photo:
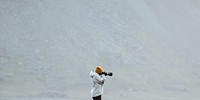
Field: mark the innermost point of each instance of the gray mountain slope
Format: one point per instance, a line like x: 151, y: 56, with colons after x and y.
x: 48, y: 48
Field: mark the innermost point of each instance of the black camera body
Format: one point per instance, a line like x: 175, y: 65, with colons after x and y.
x: 107, y: 73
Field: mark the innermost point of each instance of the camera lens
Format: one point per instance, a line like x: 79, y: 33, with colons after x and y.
x: 110, y: 73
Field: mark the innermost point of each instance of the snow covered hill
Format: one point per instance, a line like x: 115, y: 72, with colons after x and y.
x: 48, y: 48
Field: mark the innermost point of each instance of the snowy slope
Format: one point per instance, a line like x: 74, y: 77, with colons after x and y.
x: 48, y: 47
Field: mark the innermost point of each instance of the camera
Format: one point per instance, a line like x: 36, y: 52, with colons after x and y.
x: 107, y: 73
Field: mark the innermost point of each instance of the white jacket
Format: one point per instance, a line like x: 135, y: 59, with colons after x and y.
x: 97, y: 83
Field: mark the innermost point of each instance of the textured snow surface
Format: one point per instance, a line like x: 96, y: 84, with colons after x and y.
x: 48, y: 48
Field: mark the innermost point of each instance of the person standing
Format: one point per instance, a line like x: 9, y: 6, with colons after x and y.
x: 97, y: 79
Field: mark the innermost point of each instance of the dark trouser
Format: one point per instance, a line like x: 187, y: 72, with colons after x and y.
x: 97, y: 98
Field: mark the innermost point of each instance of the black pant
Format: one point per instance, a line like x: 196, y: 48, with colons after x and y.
x: 97, y: 98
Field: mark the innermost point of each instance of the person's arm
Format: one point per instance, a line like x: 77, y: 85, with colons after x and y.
x: 100, y: 79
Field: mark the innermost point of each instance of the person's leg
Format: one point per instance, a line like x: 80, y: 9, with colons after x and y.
x: 97, y: 98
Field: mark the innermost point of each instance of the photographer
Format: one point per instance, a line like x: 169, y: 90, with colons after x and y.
x: 98, y: 79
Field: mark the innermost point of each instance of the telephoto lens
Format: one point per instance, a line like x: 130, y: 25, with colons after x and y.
x: 110, y: 73
x: 107, y: 73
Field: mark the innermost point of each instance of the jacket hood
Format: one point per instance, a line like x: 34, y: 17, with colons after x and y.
x: 92, y: 74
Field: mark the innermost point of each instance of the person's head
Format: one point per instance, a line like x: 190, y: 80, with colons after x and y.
x: 99, y: 70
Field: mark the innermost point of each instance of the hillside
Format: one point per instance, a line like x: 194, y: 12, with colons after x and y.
x: 48, y: 48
